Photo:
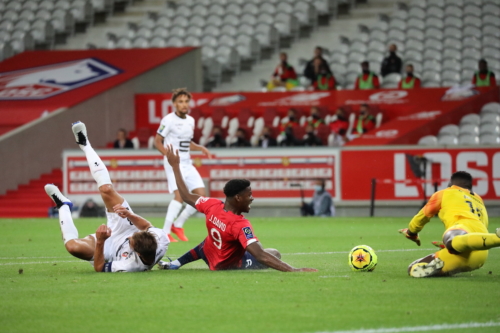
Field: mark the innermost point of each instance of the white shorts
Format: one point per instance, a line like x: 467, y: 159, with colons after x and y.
x: 191, y: 177
x: 121, y: 229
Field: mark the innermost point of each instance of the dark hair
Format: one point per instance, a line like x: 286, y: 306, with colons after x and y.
x: 145, y: 244
x: 365, y: 63
x: 365, y: 105
x: 323, y: 182
x: 180, y: 92
x: 122, y: 130
x: 235, y: 186
x: 410, y: 65
x: 462, y: 179
x: 483, y: 61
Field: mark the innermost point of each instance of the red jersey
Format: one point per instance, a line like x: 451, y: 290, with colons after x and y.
x: 228, y: 235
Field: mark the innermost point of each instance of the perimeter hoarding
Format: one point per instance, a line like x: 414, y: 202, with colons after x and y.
x: 277, y: 175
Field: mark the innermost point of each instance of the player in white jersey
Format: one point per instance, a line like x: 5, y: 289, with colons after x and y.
x: 177, y: 129
x: 128, y: 243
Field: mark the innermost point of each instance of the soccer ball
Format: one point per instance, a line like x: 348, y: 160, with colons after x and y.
x: 362, y: 258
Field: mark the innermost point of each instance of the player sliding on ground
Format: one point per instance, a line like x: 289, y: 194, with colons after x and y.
x: 230, y: 243
x: 466, y: 239
x: 177, y: 129
x: 128, y: 243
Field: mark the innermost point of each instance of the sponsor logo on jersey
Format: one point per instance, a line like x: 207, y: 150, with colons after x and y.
x: 248, y: 232
x: 47, y: 81
x: 125, y: 254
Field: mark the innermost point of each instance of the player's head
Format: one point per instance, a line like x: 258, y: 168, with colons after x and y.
x: 462, y: 179
x: 144, y: 243
x: 181, y: 98
x: 319, y: 185
x: 239, y: 194
x: 483, y: 65
x: 365, y: 66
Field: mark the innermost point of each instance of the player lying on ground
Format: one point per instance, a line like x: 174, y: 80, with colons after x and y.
x: 466, y: 239
x: 128, y: 243
x: 230, y: 243
x: 177, y: 129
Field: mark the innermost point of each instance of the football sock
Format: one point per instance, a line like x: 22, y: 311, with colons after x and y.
x: 190, y: 256
x: 475, y: 242
x: 66, y: 224
x: 97, y: 167
x: 186, y: 213
x: 173, y: 210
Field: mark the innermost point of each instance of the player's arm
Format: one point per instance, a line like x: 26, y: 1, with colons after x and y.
x: 174, y: 160
x: 196, y: 147
x: 269, y: 260
x: 102, y: 233
x: 159, y: 144
x: 423, y: 217
x: 139, y: 222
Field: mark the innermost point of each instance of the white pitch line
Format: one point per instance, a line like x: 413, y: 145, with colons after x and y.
x: 39, y: 262
x: 438, y: 327
x: 334, y: 276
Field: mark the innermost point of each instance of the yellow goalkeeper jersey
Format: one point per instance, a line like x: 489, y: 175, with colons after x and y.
x: 452, y: 204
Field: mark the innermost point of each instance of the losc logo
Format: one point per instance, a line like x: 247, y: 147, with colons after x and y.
x: 388, y: 95
x: 47, y: 81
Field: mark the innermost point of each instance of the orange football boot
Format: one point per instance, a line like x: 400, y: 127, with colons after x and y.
x: 172, y: 239
x: 179, y: 232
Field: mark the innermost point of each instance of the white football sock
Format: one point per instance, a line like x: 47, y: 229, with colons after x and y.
x: 172, y: 211
x: 97, y: 167
x: 176, y: 263
x: 66, y: 224
x: 186, y: 213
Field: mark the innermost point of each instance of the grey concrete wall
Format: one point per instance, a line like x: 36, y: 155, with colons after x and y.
x: 36, y: 148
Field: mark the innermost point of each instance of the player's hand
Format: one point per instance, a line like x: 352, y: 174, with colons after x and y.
x: 413, y: 238
x: 207, y: 152
x: 172, y: 156
x: 103, y: 233
x: 122, y: 211
x: 439, y: 244
x: 305, y: 270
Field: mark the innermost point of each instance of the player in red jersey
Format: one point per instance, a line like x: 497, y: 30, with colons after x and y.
x: 230, y: 243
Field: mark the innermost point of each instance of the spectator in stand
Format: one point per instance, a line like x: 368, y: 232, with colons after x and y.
x: 291, y: 122
x: 284, y: 75
x: 321, y: 204
x: 289, y: 139
x: 309, y: 70
x: 311, y: 140
x: 266, y: 140
x: 91, y: 209
x: 122, y: 141
x: 392, y: 63
x: 341, y: 124
x: 410, y: 81
x: 484, y: 77
x: 241, y: 140
x: 365, y: 120
x: 217, y: 139
x: 324, y: 80
x: 367, y: 79
x: 315, y: 118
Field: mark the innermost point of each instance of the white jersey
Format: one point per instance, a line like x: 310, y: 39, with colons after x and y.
x: 178, y: 132
x: 125, y: 259
x: 118, y: 254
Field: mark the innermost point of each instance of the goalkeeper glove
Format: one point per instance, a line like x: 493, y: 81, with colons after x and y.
x: 411, y: 236
x: 439, y: 244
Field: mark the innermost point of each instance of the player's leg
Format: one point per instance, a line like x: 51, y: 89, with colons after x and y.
x: 97, y: 168
x: 249, y: 261
x: 175, y: 206
x: 190, y: 256
x: 81, y: 248
x: 458, y: 241
x: 195, y: 184
x: 427, y: 266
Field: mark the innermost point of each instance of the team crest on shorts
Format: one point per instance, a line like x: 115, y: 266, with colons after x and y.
x: 47, y: 81
x: 248, y: 232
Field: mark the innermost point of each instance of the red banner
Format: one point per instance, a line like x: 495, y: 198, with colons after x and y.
x: 407, y: 114
x: 397, y: 182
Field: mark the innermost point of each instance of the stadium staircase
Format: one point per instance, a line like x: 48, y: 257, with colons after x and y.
x: 30, y: 200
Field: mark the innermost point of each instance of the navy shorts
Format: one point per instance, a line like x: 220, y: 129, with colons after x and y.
x: 249, y: 262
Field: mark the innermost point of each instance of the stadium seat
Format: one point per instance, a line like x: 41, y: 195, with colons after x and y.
x: 490, y: 118
x: 449, y: 130
x: 447, y: 140
x: 428, y: 140
x: 468, y: 140
x: 471, y: 129
x: 492, y: 107
x: 489, y: 139
x: 490, y: 128
x: 470, y: 118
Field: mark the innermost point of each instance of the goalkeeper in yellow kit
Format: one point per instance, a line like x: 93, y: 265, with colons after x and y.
x: 466, y: 239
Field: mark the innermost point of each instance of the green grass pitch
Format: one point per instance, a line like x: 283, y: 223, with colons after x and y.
x: 58, y: 293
